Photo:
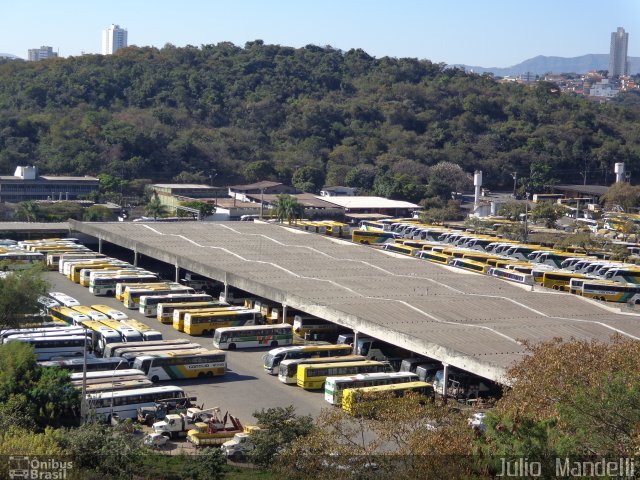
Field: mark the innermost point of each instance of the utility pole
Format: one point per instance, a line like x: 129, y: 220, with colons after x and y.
x: 526, y: 217
x: 261, y: 202
x: 514, y: 175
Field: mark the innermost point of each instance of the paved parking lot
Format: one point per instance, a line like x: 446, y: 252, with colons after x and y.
x: 244, y: 389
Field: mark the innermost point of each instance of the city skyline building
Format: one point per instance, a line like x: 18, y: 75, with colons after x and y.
x: 618, y: 64
x: 113, y: 39
x: 36, y: 54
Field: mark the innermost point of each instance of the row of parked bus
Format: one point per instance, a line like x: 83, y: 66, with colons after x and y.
x: 592, y: 276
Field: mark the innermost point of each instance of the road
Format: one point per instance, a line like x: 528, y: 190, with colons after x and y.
x: 243, y: 390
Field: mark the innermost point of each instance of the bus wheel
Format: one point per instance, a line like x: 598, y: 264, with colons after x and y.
x: 274, y: 343
x: 232, y: 346
x: 556, y: 287
x: 209, y: 374
x: 205, y: 332
x: 155, y: 379
x: 200, y: 374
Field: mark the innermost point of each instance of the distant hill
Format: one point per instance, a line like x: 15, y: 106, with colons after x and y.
x: 8, y: 55
x: 542, y: 64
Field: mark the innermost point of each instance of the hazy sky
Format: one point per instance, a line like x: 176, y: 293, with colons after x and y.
x: 488, y: 33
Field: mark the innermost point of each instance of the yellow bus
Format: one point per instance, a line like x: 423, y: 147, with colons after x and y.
x: 401, y: 249
x: 372, y: 237
x: 165, y: 310
x: 68, y: 315
x: 611, y: 291
x: 559, y: 280
x: 110, y: 312
x: 91, y: 313
x: 275, y: 356
x: 312, y: 376
x: 121, y: 287
x: 179, y: 314
x: 433, y: 256
x: 470, y: 265
x: 149, y: 303
x: 131, y: 297
x: 363, y: 401
x: 207, y: 323
x: 73, y: 267
x: 19, y: 260
x: 182, y: 364
x: 480, y: 257
x: 148, y: 334
x: 53, y: 258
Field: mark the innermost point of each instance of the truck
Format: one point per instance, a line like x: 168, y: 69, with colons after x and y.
x: 239, y: 446
x: 149, y: 415
x: 176, y: 425
x: 215, y: 431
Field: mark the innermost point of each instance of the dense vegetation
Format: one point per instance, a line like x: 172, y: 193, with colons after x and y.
x: 310, y: 116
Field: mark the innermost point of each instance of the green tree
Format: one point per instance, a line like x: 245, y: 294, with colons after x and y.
x: 259, y: 170
x: 19, y: 293
x: 205, y: 209
x: 155, y: 208
x: 447, y: 177
x: 624, y: 195
x: 512, y: 210
x: 308, y: 179
x: 547, y: 212
x: 97, y: 213
x: 280, y: 428
x: 288, y: 208
x: 208, y: 464
x: 27, y: 211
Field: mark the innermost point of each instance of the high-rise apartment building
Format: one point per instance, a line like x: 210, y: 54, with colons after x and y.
x: 113, y: 39
x: 618, y: 65
x: 41, y: 53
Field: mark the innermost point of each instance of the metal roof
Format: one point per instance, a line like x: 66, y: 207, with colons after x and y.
x: 470, y: 321
x: 359, y: 201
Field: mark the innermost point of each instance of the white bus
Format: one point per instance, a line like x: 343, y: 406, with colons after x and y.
x: 334, y: 386
x: 99, y: 376
x: 149, y: 303
x: 112, y: 313
x: 107, y: 285
x: 125, y: 403
x: 93, y: 364
x: 512, y: 275
x: 148, y: 333
x: 40, y: 332
x: 182, y: 364
x: 253, y: 336
x: 288, y: 369
x: 116, y: 349
x: 47, y: 348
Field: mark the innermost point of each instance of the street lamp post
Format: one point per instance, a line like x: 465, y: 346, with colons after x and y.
x: 113, y: 376
x: 514, y: 175
x: 83, y: 403
x: 526, y: 217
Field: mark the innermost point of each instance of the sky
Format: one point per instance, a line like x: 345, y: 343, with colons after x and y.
x: 486, y: 33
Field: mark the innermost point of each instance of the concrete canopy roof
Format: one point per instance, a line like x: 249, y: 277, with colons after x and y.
x: 470, y: 321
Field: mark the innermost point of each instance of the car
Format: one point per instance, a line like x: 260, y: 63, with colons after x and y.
x: 64, y: 299
x: 155, y: 440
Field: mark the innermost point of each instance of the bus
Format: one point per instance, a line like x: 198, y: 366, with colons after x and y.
x: 179, y: 365
x: 110, y: 271
x: 125, y: 403
x: 575, y: 286
x: 481, y: 257
x: 334, y: 386
x: 116, y: 349
x: 47, y: 348
x: 53, y: 258
x: 111, y: 313
x: 19, y: 260
x: 156, y: 283
x: 206, y: 323
x: 131, y: 297
x: 149, y: 303
x: 178, y: 315
x: 91, y: 313
x: 559, y: 280
x: 148, y: 333
x: 93, y: 364
x: 304, y: 325
x: 433, y: 256
x: 165, y: 310
x: 624, y: 275
x: 470, y: 265
x: 362, y: 401
x: 511, y: 275
x: 288, y: 369
x: 82, y: 274
x: 131, y: 355
x: 40, y: 332
x: 101, y: 376
x: 611, y: 291
x: 553, y: 259
x: 249, y: 336
x: 75, y: 256
x: 313, y: 376
x: 401, y: 249
x: 368, y: 237
x: 274, y: 357
x: 69, y: 267
x: 101, y: 335
x: 68, y: 315
x: 126, y: 383
x: 128, y: 333
x: 106, y: 285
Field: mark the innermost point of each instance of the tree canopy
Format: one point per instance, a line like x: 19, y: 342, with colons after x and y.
x: 308, y: 116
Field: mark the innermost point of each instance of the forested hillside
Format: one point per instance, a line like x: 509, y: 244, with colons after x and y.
x: 312, y: 115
